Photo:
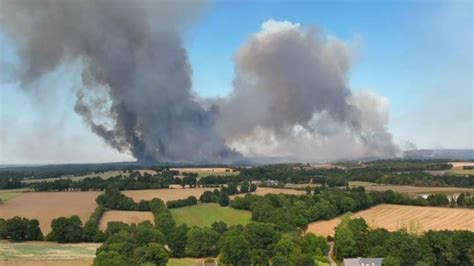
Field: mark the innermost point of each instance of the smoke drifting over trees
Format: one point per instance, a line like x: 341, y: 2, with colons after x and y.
x: 290, y: 98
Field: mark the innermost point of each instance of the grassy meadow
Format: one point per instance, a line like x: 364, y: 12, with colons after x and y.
x: 205, y: 214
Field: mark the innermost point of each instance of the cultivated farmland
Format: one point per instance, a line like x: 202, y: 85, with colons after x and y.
x: 205, y: 171
x: 46, y: 206
x: 128, y: 217
x: 165, y: 194
x: 415, y: 219
x: 266, y: 190
x: 46, y: 253
x: 207, y: 213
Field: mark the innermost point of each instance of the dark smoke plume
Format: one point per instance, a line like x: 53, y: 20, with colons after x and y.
x: 136, y: 91
x: 291, y: 96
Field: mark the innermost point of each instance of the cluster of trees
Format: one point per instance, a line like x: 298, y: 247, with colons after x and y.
x: 191, y: 200
x: 141, y: 244
x: 71, y: 230
x: 256, y: 244
x: 20, y: 229
x: 354, y: 238
x: 218, y: 180
x: 291, y: 211
x: 465, y: 200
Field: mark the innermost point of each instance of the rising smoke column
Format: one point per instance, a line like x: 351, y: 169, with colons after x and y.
x: 136, y: 91
x: 291, y: 98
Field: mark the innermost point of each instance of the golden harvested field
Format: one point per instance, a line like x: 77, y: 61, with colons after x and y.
x: 460, y: 165
x: 165, y: 194
x: 266, y: 190
x: 199, y: 170
x: 415, y: 219
x: 128, y: 217
x: 205, y: 171
x: 46, y: 206
x: 413, y: 190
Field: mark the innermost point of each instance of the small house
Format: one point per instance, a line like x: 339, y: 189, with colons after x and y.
x: 363, y: 262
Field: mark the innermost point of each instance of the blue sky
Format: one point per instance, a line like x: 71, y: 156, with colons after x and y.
x: 418, y: 54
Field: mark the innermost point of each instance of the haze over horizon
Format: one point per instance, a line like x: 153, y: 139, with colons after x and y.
x: 314, y: 81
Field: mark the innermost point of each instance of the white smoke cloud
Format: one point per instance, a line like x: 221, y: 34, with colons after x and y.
x: 291, y: 98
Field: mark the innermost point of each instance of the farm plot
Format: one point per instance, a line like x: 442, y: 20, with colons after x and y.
x: 413, y: 190
x: 128, y: 217
x: 165, y: 194
x: 205, y: 171
x: 207, y: 213
x: 460, y: 165
x: 7, y: 194
x: 46, y: 253
x: 415, y: 219
x: 46, y: 206
x: 267, y: 190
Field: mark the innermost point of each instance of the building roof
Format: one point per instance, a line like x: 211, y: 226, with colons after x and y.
x: 363, y: 262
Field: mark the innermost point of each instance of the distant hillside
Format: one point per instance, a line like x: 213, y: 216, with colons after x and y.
x: 452, y: 154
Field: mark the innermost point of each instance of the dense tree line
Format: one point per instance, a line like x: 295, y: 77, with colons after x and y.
x: 191, y: 200
x: 396, y: 172
x: 132, y: 182
x: 20, y: 229
x: 11, y: 183
x: 354, y: 238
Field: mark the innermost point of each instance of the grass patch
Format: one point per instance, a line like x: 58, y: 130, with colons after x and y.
x: 8, y: 194
x: 462, y: 172
x: 361, y: 184
x: 203, y: 174
x: 205, y: 214
x: 45, y: 250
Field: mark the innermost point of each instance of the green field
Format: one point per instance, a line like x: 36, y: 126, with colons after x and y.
x: 462, y: 172
x: 7, y: 194
x: 207, y: 213
x: 203, y: 174
x: 361, y: 184
x: 42, y: 250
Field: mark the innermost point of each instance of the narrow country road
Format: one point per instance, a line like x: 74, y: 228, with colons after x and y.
x: 331, y: 248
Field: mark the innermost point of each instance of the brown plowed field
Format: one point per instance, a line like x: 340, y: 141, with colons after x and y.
x: 415, y: 219
x: 46, y: 206
x: 128, y: 217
